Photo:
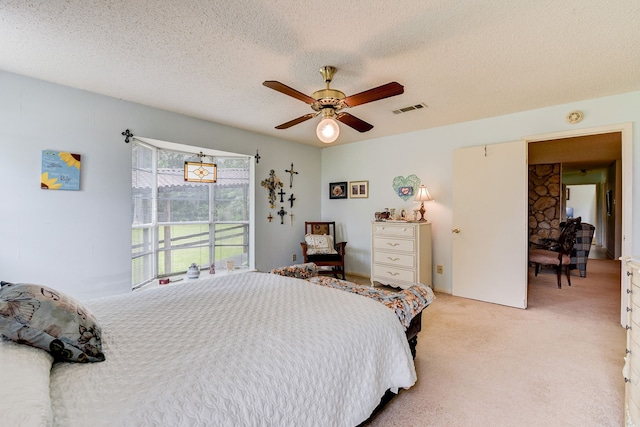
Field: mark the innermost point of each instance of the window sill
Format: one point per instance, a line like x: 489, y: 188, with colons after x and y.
x: 182, y: 278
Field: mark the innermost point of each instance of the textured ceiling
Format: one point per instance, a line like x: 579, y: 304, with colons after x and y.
x: 465, y: 60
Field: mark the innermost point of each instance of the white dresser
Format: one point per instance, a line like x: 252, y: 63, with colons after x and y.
x: 631, y: 371
x: 401, y: 253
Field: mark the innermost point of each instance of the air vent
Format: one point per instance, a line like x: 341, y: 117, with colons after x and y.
x: 410, y: 108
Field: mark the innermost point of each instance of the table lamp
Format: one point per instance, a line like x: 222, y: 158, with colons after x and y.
x: 422, y: 196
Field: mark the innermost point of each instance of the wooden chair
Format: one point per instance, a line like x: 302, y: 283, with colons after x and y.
x: 557, y: 253
x: 318, y: 255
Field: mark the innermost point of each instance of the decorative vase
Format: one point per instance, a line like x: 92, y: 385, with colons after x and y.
x: 193, y: 272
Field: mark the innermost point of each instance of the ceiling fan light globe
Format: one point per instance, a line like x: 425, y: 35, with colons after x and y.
x: 327, y: 130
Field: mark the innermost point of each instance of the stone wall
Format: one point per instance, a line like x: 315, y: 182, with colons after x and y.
x: 544, y: 201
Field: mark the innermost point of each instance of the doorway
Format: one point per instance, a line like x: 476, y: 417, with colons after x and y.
x: 621, y: 206
x: 589, y: 170
x: 618, y: 197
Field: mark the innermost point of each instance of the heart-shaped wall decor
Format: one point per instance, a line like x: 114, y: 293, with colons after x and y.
x: 405, y: 188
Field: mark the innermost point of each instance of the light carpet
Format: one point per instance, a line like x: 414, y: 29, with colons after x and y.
x: 557, y: 363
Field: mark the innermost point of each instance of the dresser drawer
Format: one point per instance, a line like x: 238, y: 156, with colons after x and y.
x: 385, y: 272
x: 394, y: 259
x: 391, y: 244
x: 634, y: 314
x: 399, y: 230
x: 634, y: 357
x: 634, y: 345
x: 635, y: 290
x: 634, y: 412
x: 635, y: 276
x: 633, y: 387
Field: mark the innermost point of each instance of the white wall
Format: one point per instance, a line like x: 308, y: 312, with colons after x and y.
x: 583, y: 201
x: 428, y: 154
x: 80, y: 241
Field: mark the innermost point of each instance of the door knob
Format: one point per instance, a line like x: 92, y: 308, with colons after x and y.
x: 455, y: 230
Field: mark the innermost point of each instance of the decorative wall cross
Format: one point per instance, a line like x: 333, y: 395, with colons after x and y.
x: 291, y: 199
x: 127, y: 134
x: 282, y: 213
x: 269, y: 217
x: 257, y: 156
x: 271, y: 184
x: 281, y: 193
x: 291, y: 172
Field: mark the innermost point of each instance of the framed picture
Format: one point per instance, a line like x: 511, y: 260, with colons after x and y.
x: 60, y: 170
x: 359, y: 189
x: 338, y: 190
x: 405, y: 192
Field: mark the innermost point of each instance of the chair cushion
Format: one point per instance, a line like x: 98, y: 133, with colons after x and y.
x: 319, y: 244
x: 543, y: 256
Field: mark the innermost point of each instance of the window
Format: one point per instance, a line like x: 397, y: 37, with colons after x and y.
x: 176, y: 223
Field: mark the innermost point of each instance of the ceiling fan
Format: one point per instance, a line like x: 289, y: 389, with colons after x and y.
x: 329, y: 102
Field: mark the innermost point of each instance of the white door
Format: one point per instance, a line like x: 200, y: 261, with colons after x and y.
x: 490, y: 211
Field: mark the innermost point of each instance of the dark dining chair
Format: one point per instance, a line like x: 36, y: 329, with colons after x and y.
x: 557, y: 253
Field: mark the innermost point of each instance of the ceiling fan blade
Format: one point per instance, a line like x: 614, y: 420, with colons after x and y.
x: 354, y: 122
x: 282, y: 88
x: 380, y: 92
x: 296, y: 121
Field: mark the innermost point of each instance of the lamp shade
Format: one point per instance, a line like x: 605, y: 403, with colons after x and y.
x: 423, y: 194
x: 327, y: 130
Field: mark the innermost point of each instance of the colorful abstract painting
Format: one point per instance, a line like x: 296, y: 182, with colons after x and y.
x: 60, y: 170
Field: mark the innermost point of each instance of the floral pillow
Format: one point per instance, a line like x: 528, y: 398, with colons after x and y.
x: 319, y: 244
x: 45, y: 318
x: 300, y: 271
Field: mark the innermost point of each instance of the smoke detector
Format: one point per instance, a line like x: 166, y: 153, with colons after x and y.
x: 575, y: 117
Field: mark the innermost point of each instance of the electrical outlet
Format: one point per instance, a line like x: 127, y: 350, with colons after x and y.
x: 439, y: 269
x: 293, y: 257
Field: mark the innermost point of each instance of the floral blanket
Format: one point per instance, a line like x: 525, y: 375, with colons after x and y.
x: 299, y: 271
x: 407, y: 303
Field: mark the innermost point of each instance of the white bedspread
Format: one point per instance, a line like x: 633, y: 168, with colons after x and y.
x: 247, y: 349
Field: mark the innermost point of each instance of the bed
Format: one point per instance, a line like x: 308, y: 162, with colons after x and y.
x: 247, y: 349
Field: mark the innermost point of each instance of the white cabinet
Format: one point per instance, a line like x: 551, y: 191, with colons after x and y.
x: 631, y: 370
x: 401, y: 253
